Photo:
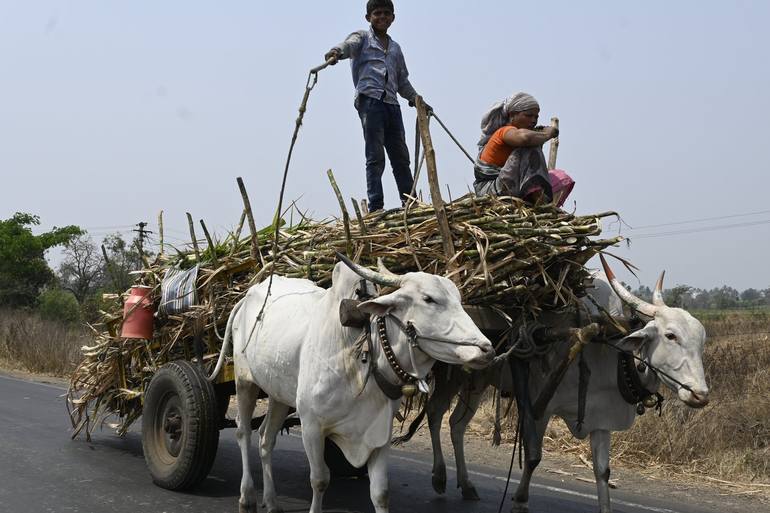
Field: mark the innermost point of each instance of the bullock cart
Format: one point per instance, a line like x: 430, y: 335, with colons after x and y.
x: 510, y: 260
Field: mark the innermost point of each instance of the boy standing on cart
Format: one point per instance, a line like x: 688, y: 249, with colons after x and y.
x: 379, y: 72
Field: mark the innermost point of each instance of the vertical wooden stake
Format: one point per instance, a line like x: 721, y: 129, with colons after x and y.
x: 359, y: 217
x: 554, y: 146
x: 361, y: 223
x: 192, y: 236
x: 237, y: 237
x: 212, y: 247
x: 435, y: 188
x: 345, y: 215
x: 160, y: 232
x: 255, y: 252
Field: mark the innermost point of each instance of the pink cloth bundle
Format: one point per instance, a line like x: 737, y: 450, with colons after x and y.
x: 561, y: 185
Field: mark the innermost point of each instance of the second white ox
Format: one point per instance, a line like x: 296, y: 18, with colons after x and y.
x: 671, y: 341
x: 300, y: 355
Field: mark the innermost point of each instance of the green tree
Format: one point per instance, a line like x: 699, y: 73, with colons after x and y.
x: 82, y: 268
x: 751, y: 296
x: 59, y: 305
x: 679, y: 296
x: 122, y: 259
x: 643, y: 292
x: 24, y: 271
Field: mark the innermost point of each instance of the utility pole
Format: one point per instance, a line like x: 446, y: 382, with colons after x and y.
x: 143, y: 234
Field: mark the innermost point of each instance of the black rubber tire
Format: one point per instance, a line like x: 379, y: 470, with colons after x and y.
x: 338, y: 465
x: 180, y: 426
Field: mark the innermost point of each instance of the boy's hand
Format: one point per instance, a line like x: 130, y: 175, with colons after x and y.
x: 332, y: 55
x: 428, y: 108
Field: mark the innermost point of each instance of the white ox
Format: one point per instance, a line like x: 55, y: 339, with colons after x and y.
x: 672, y: 341
x: 301, y: 356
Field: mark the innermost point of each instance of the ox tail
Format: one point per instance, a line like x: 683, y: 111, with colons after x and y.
x: 226, y: 342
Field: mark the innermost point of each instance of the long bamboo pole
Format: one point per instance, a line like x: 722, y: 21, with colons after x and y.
x: 435, y: 188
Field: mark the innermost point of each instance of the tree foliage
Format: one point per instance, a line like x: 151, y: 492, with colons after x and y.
x: 122, y: 259
x: 24, y: 271
x: 59, y: 305
x: 82, y: 269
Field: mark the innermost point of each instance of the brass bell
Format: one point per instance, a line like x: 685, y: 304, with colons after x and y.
x: 409, y: 389
x: 650, y: 401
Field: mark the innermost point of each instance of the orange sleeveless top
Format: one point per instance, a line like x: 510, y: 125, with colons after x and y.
x: 496, y: 152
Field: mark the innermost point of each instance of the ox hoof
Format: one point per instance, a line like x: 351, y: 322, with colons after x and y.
x: 247, y: 508
x: 470, y: 494
x: 399, y: 440
x: 519, y: 507
x: 439, y: 481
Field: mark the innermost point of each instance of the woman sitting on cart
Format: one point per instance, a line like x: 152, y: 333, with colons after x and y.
x: 511, y: 160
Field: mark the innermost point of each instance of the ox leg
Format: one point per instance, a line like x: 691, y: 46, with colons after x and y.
x: 313, y: 440
x: 532, y: 456
x: 378, y: 478
x: 437, y: 406
x: 467, y: 404
x: 531, y: 431
x: 600, y: 453
x: 246, y: 397
x: 271, y: 426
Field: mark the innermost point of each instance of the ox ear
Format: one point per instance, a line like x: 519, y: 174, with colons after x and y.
x: 638, y: 338
x: 379, y: 306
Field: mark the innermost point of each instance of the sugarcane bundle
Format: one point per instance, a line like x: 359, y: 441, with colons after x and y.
x: 508, y: 254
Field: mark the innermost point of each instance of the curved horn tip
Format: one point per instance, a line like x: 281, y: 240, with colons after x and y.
x: 368, y: 274
x: 343, y: 258
x: 657, y: 295
x: 383, y: 269
x: 606, y: 266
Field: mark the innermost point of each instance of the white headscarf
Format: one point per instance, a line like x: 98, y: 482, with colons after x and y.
x: 499, y: 113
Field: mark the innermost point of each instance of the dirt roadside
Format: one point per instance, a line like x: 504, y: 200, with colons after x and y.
x: 569, y: 467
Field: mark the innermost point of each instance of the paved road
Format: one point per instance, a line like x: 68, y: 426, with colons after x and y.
x: 42, y: 470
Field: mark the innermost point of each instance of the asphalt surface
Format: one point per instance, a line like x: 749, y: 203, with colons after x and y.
x: 43, y: 470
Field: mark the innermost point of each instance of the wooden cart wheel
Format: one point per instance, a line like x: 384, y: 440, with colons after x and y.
x: 180, y: 430
x: 338, y: 464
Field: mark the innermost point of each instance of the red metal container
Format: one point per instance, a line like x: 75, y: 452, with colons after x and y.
x: 138, y: 314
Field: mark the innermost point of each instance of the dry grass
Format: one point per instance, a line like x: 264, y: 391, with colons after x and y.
x: 727, y: 443
x: 30, y: 343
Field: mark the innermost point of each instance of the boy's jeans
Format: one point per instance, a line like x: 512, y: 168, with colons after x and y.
x: 383, y: 130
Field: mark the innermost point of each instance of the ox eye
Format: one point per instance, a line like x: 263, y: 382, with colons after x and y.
x: 428, y: 299
x: 671, y: 336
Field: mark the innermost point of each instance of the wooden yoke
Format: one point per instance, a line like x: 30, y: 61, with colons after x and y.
x: 435, y: 188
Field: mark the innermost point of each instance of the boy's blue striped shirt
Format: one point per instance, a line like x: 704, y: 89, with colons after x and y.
x: 377, y: 73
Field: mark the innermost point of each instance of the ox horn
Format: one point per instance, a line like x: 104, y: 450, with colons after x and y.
x: 373, y: 276
x: 384, y: 270
x: 657, y: 296
x: 628, y: 298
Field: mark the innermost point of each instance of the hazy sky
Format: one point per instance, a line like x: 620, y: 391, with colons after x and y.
x: 111, y: 111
